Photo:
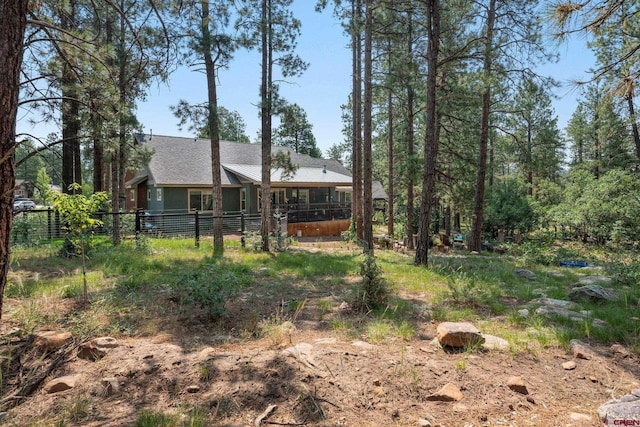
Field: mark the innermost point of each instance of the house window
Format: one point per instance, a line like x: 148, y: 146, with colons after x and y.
x: 159, y: 194
x: 132, y: 195
x: 200, y: 200
x: 149, y: 195
x: 278, y: 197
x: 344, y: 196
x: 243, y: 200
x: 300, y: 197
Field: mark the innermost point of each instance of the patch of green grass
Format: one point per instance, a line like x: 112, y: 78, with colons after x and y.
x: 342, y: 325
x: 78, y: 408
x: 400, y: 271
x: 308, y: 264
x: 379, y: 330
x: 34, y: 313
x: 157, y: 419
x: 396, y: 309
x: 194, y: 416
x: 405, y: 331
x: 325, y: 305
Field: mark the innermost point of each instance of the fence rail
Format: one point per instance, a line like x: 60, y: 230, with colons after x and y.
x: 41, y: 225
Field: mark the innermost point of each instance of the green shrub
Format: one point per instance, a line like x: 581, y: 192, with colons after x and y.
x: 211, y: 286
x: 468, y: 291
x: 624, y: 273
x: 374, y: 290
x: 24, y: 230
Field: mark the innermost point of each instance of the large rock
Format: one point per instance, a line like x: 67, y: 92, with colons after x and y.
x: 517, y: 384
x: 495, y: 343
x: 61, y: 384
x: 625, y: 408
x: 459, y: 334
x: 594, y: 280
x: 580, y: 350
x: 551, y: 302
x: 550, y: 311
x: 525, y: 274
x: 448, y: 393
x: 593, y: 293
x: 52, y: 340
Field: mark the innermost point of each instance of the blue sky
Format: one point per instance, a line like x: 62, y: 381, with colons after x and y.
x: 320, y: 91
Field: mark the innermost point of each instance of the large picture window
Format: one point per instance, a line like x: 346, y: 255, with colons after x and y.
x: 200, y: 200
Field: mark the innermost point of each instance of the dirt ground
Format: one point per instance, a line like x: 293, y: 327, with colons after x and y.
x: 316, y: 375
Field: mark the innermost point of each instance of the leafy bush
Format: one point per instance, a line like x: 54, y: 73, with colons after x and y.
x: 624, y: 273
x: 467, y: 291
x: 211, y: 286
x: 24, y: 230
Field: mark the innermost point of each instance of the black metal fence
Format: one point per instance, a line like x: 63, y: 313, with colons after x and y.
x: 41, y: 225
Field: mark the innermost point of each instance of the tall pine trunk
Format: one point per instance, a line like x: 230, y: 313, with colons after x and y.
x: 13, y: 22
x: 475, y: 241
x: 357, y: 121
x: 410, y: 137
x: 431, y: 135
x: 390, y: 142
x: 71, y: 168
x: 367, y: 158
x: 265, y: 109
x: 214, y: 132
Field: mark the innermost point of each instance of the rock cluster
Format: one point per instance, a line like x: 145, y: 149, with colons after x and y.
x: 621, y: 410
x: 91, y: 350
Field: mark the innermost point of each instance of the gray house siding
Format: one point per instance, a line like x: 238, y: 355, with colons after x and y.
x: 252, y: 198
x: 153, y: 204
x: 175, y: 199
x: 230, y: 199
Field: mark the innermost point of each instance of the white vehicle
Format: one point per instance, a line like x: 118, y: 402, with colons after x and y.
x: 23, y: 205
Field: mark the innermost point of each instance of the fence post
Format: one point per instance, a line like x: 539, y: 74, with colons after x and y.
x: 56, y: 225
x: 197, y: 217
x: 49, y: 224
x: 242, y: 241
x: 138, y: 228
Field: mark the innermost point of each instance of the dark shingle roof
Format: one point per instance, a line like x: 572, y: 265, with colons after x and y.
x: 178, y: 161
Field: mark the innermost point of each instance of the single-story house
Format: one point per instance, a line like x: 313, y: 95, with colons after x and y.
x: 178, y: 179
